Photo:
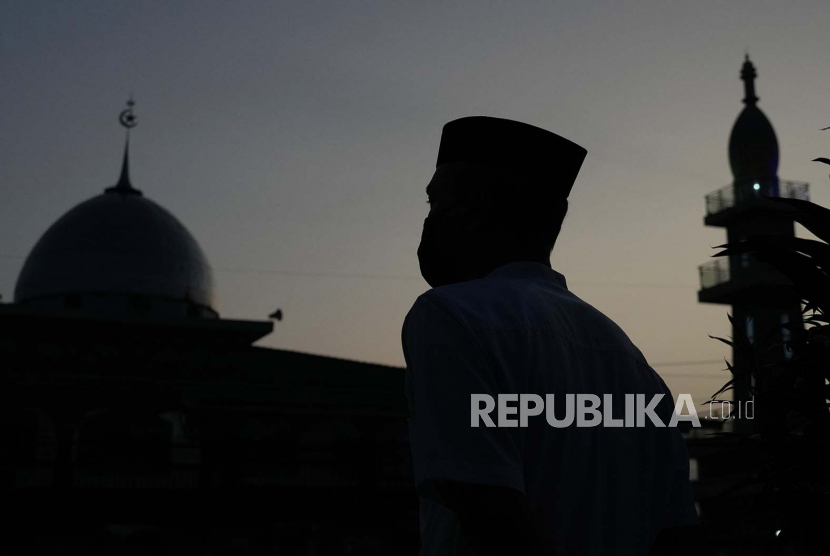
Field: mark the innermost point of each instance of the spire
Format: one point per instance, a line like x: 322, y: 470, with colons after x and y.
x: 124, y: 179
x: 128, y: 121
x: 748, y: 76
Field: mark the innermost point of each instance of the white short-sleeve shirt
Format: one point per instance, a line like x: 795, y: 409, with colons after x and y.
x: 597, y: 490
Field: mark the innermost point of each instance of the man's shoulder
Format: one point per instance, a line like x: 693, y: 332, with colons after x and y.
x: 437, y: 303
x: 480, y: 290
x: 435, y: 317
x: 517, y: 303
x: 474, y: 301
x: 507, y: 286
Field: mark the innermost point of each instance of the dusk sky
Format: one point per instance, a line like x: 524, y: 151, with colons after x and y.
x: 295, y: 140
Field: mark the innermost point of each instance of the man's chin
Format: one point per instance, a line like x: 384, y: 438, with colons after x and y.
x: 435, y: 278
x: 443, y: 278
x: 433, y: 269
x: 444, y: 270
x: 435, y: 281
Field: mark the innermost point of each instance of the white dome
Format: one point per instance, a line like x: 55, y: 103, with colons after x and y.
x: 118, y: 243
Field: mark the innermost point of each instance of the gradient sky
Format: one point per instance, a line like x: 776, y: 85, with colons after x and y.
x: 295, y: 140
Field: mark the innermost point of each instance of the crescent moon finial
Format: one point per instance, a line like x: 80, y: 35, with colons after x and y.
x: 126, y: 118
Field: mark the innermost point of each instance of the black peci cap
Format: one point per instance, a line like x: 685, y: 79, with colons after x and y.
x: 495, y: 141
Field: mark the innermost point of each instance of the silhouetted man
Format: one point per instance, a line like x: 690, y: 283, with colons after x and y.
x: 499, y: 322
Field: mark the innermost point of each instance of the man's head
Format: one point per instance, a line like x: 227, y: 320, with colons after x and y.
x: 499, y: 194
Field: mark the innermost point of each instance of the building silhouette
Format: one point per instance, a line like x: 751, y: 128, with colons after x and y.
x: 762, y: 298
x: 136, y: 420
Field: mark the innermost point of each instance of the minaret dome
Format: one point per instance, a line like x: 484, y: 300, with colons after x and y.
x: 753, y: 147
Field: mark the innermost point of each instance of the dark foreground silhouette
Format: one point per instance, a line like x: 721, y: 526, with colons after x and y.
x: 500, y: 320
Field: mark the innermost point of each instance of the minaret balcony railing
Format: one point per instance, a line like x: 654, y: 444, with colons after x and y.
x: 737, y: 194
x: 714, y: 273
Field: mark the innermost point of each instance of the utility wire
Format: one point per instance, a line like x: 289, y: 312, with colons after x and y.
x: 394, y: 277
x: 686, y: 363
x: 418, y: 278
x: 309, y: 274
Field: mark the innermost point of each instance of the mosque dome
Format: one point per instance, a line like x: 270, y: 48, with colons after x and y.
x: 117, y: 251
x: 753, y: 147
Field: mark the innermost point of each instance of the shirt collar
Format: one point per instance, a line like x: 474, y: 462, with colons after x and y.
x: 530, y: 269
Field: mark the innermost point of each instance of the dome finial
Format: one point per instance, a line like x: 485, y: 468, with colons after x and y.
x: 128, y: 120
x: 748, y: 76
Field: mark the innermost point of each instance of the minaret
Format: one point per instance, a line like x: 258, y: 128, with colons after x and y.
x: 762, y: 299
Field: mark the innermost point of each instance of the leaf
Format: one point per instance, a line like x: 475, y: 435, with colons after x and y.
x: 810, y: 215
x: 822, y: 160
x: 811, y: 283
x: 743, y: 340
x: 784, y: 255
x: 818, y: 251
x: 725, y: 388
x: 740, y: 485
x: 727, y: 342
x: 759, y: 241
x: 808, y: 307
